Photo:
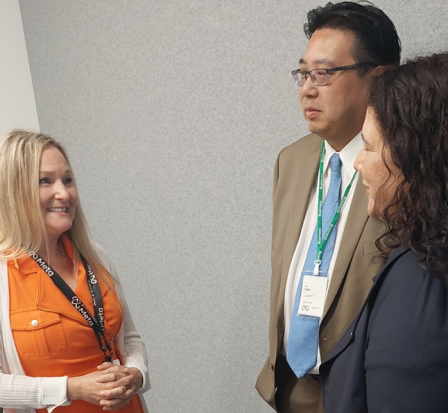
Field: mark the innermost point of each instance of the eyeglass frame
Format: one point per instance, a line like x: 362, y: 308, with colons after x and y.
x: 307, y: 73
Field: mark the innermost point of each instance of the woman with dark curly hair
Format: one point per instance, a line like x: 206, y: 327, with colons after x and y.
x: 394, y: 357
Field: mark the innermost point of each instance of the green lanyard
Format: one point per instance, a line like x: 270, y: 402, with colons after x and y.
x: 322, y: 242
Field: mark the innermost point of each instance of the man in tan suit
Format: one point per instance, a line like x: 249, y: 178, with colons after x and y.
x: 348, y: 44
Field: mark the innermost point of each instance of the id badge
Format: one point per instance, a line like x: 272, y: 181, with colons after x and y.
x: 312, y: 296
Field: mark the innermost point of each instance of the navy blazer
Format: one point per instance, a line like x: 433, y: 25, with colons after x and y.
x: 394, y: 356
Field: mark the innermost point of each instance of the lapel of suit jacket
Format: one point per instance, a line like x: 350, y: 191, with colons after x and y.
x: 349, y: 335
x: 356, y: 220
x: 304, y: 182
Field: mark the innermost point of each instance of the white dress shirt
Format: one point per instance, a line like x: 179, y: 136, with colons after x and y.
x: 347, y: 155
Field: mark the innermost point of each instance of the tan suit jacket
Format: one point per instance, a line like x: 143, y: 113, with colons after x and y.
x: 295, y: 175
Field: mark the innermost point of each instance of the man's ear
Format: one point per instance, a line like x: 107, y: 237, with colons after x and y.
x: 379, y: 70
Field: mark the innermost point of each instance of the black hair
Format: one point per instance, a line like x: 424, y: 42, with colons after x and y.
x: 377, y: 41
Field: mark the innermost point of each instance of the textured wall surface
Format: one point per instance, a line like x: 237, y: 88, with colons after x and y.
x: 173, y: 113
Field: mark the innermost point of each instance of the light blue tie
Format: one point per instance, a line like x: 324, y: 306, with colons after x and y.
x: 304, y: 330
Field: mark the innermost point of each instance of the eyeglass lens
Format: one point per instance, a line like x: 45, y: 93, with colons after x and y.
x: 318, y: 76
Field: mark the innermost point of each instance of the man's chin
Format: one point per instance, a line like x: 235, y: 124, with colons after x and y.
x: 314, y: 128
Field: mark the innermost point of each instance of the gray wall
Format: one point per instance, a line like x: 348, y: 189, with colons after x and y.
x: 173, y: 113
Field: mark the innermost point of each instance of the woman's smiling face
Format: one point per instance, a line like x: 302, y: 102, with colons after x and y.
x: 58, y: 195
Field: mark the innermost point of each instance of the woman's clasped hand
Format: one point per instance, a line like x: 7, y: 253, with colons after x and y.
x: 111, y: 386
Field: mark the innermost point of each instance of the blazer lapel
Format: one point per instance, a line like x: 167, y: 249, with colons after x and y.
x: 356, y: 220
x: 303, y: 184
x: 349, y: 335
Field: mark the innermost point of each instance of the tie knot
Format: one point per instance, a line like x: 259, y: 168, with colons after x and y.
x: 335, y: 163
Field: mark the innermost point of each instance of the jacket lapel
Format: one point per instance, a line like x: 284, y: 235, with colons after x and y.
x: 349, y: 335
x: 356, y: 220
x: 303, y: 184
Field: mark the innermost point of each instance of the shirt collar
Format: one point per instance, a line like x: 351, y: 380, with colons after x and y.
x: 348, y: 154
x: 27, y: 265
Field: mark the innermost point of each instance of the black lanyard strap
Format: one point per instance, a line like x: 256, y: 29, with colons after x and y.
x: 97, y: 320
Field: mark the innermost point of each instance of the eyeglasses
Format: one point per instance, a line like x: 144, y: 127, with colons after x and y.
x: 320, y: 77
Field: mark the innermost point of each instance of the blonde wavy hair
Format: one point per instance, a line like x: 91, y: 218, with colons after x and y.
x: 22, y: 226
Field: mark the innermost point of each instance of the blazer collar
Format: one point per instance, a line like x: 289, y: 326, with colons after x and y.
x: 303, y: 185
x: 349, y: 335
x: 356, y: 221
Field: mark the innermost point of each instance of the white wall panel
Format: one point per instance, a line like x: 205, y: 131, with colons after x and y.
x: 17, y: 105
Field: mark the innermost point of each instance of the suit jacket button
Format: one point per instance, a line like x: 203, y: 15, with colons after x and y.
x: 272, y: 367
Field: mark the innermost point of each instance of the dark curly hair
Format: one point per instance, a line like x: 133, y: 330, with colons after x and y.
x: 377, y: 40
x: 410, y: 104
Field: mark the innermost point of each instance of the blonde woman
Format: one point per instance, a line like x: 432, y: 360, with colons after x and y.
x: 67, y: 339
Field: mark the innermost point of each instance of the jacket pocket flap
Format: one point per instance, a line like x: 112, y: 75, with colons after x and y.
x: 33, y: 319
